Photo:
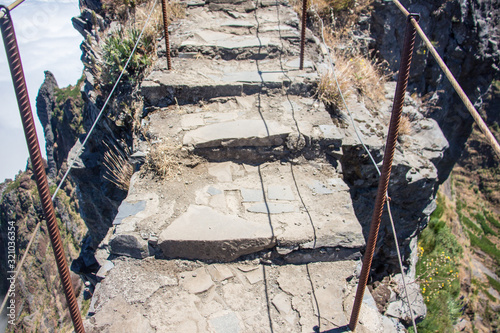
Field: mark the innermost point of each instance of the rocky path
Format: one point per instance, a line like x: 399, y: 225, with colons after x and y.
x: 258, y: 233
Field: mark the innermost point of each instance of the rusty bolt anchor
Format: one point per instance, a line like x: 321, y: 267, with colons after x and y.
x: 16, y: 69
x: 165, y: 30
x: 404, y: 71
x: 303, y: 33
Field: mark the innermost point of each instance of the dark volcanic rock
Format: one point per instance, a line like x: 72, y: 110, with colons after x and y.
x: 466, y: 35
x: 45, y: 105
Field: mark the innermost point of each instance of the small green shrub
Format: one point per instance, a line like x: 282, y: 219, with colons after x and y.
x: 437, y: 271
x: 117, y: 50
x: 339, y: 5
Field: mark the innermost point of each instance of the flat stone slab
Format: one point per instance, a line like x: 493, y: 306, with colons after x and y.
x: 238, y: 133
x: 288, y: 298
x: 228, y: 323
x: 280, y: 192
x: 223, y: 40
x: 203, y: 233
x: 251, y: 195
x: 222, y: 211
x: 128, y: 209
x: 271, y: 208
x: 197, y: 281
x: 320, y: 188
x: 252, y: 77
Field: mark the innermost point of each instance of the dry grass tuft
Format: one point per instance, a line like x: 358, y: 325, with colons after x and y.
x: 329, y: 93
x: 117, y: 166
x: 166, y: 160
x: 355, y: 73
x: 405, y: 126
x: 175, y: 11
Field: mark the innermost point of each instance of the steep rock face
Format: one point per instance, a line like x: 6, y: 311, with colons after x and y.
x: 98, y: 196
x: 466, y: 35
x: 60, y: 112
x: 45, y: 105
x: 40, y: 301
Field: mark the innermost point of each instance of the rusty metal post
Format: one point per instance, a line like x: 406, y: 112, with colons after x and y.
x: 399, y: 96
x: 16, y: 68
x: 303, y: 33
x: 165, y: 30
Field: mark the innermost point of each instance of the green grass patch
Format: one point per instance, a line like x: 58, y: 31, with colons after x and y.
x: 469, y: 224
x: 484, y: 225
x: 493, y: 221
x: 85, y: 307
x: 437, y: 271
x: 12, y: 185
x: 62, y: 94
x: 494, y: 283
x: 485, y: 245
x: 490, y: 296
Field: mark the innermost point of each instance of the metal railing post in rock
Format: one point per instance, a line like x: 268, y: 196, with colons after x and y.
x: 16, y: 69
x: 165, y: 30
x: 303, y: 33
x: 404, y: 71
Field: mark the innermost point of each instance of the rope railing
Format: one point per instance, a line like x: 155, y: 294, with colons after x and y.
x: 470, y: 107
x: 11, y: 7
x: 468, y: 104
x: 80, y: 150
x: 360, y: 138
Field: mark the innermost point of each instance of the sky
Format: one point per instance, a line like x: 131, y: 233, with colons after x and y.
x: 47, y: 41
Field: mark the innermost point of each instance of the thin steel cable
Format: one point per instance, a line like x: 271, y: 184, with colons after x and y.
x: 374, y: 163
x: 313, y: 290
x: 400, y: 263
x: 37, y: 228
x: 104, y: 106
x: 19, y: 82
x: 21, y: 262
x: 285, y: 72
x: 341, y: 94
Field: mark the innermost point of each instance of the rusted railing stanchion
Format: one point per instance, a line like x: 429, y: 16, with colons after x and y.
x: 165, y: 30
x: 399, y: 96
x: 303, y: 33
x: 16, y: 68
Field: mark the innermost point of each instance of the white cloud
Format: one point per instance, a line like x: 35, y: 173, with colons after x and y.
x: 47, y: 41
x: 14, y: 156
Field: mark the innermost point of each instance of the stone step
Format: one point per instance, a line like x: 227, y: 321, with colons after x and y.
x: 256, y: 35
x: 222, y: 211
x: 220, y: 55
x: 184, y: 296
x: 194, y: 80
x: 250, y: 129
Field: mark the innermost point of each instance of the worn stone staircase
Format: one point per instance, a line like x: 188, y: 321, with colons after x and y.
x: 259, y: 234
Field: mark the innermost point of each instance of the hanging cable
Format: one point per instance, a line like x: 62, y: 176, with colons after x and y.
x: 374, y: 164
x: 104, y: 106
x: 330, y: 62
x: 71, y: 164
x: 400, y: 261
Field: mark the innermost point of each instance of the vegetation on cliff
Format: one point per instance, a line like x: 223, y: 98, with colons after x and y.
x: 40, y: 301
